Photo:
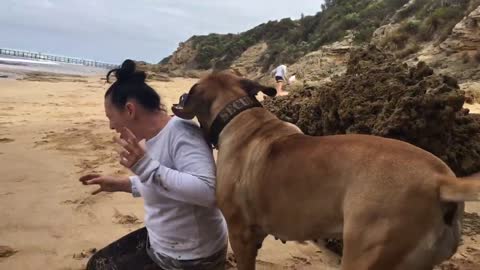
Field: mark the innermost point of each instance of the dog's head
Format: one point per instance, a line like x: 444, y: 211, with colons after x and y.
x: 212, y: 93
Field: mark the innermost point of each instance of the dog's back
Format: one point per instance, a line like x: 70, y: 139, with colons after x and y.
x: 398, y: 206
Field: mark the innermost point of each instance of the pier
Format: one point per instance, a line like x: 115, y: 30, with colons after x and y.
x: 56, y: 58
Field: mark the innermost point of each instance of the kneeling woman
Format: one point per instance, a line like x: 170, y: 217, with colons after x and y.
x: 175, y: 175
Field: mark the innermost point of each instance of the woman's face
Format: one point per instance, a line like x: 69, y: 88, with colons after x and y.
x: 118, y: 118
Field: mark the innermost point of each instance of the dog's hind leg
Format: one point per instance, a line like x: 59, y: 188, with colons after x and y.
x: 384, y: 244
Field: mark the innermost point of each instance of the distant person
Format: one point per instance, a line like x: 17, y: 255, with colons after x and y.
x: 174, y: 173
x: 280, y: 75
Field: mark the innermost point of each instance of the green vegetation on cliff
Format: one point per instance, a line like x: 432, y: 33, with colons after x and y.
x: 288, y: 40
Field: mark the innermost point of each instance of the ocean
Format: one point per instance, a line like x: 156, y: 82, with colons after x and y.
x: 14, y: 66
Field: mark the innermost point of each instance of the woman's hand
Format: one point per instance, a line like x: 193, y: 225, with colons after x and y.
x: 131, y: 150
x: 107, y: 183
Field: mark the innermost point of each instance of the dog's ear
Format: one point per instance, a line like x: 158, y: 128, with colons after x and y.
x: 252, y: 88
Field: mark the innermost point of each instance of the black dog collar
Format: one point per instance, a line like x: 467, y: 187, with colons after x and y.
x: 228, y: 113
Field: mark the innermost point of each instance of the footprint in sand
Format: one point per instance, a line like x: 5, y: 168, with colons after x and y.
x: 266, y: 264
x: 120, y: 218
x: 473, y: 250
x: 71, y: 201
x: 6, y: 251
x: 20, y: 179
x: 81, y: 203
x: 471, y: 224
x: 84, y: 254
x: 301, y: 260
x: 231, y: 262
x: 6, y: 140
x: 42, y: 142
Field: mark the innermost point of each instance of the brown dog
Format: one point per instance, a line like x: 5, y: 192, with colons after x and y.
x: 396, y: 206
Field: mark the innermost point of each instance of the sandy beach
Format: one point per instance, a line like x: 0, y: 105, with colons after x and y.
x: 54, y: 130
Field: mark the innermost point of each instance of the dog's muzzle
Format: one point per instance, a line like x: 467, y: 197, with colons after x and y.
x: 182, y: 102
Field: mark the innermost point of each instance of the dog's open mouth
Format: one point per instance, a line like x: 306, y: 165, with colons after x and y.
x: 179, y: 108
x: 182, y: 101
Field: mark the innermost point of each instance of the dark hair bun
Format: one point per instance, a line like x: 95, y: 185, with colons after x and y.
x: 128, y: 73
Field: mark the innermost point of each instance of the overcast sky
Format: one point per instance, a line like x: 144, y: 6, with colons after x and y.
x: 112, y: 30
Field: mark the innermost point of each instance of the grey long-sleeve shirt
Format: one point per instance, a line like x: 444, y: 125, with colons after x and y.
x: 280, y: 71
x: 176, y: 178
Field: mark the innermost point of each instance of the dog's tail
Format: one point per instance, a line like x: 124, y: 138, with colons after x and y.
x: 459, y: 189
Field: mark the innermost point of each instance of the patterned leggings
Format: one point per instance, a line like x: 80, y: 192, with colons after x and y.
x: 130, y: 253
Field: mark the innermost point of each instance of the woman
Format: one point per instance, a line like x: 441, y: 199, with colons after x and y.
x: 175, y: 175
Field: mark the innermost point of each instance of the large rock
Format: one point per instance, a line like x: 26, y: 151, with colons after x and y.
x: 380, y: 96
x: 184, y: 56
x: 247, y: 63
x: 466, y: 34
x: 383, y: 32
x: 328, y: 61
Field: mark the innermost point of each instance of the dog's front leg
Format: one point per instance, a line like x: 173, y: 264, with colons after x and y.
x: 245, y: 243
